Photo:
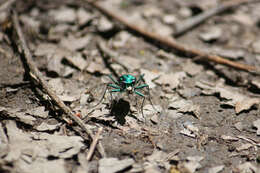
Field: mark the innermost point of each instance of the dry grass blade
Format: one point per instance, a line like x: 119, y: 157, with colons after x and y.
x: 94, y: 143
x: 6, y: 5
x: 171, y: 43
x: 196, y: 20
x: 36, y: 74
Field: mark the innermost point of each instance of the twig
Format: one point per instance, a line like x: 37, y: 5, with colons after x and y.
x: 36, y: 74
x: 192, y: 22
x: 94, y: 143
x: 6, y: 5
x: 169, y: 42
x: 196, y: 20
x: 112, y: 55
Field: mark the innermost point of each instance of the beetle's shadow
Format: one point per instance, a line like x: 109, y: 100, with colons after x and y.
x: 120, y: 109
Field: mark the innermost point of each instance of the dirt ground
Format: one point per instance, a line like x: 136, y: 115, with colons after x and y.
x: 202, y: 117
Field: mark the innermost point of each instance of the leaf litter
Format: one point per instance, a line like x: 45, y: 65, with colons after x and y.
x: 232, y: 96
x: 47, y: 149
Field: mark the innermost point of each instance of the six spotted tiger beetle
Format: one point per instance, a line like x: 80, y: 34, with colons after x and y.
x: 129, y: 84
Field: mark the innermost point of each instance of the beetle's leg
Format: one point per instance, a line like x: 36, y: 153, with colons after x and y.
x: 114, y: 86
x: 101, y: 97
x: 116, y: 89
x: 142, y: 106
x: 141, y: 86
x: 115, y: 81
x: 141, y: 78
x: 149, y: 95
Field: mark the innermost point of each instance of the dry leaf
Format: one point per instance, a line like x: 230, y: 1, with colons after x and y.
x: 246, y: 104
x: 149, y: 76
x: 211, y: 34
x: 47, y: 127
x: 257, y: 125
x: 73, y: 43
x: 216, y: 169
x: 192, y: 68
x: 185, y: 106
x: 172, y: 79
x: 233, y: 97
x: 230, y: 138
x: 104, y: 25
x: 247, y: 167
x: 77, y: 60
x: 83, y: 16
x: 113, y: 165
x: 244, y: 147
x: 63, y: 14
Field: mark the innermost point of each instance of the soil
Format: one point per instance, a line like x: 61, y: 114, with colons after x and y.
x: 126, y: 132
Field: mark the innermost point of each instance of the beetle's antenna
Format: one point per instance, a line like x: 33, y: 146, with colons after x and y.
x: 103, y: 95
x: 141, y: 78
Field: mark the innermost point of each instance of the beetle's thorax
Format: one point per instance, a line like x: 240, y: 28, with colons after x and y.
x: 127, y: 82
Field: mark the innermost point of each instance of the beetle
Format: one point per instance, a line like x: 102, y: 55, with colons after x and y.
x: 129, y: 84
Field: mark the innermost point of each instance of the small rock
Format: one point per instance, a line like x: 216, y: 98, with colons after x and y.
x: 256, y: 82
x: 104, y: 25
x: 169, y: 19
x: 121, y: 39
x: 83, y: 16
x: 64, y: 15
x: 151, y: 11
x: 185, y: 12
x: 239, y: 126
x: 212, y: 34
x: 155, y: 119
x: 244, y: 19
x: 256, y: 46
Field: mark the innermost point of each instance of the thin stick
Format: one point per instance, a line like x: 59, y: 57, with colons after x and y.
x: 198, y: 19
x: 36, y: 74
x: 112, y: 54
x: 169, y: 42
x: 6, y: 5
x: 94, y: 143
